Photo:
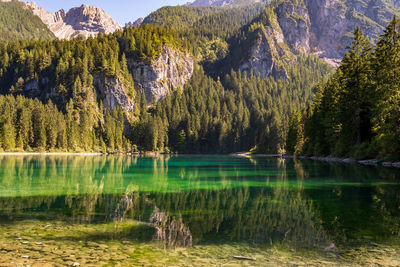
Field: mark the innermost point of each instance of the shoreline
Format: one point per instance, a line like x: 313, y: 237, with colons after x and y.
x: 51, y: 153
x: 368, y: 162
x: 250, y: 155
x: 82, y: 153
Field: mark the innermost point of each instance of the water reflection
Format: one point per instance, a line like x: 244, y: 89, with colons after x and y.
x: 191, y: 200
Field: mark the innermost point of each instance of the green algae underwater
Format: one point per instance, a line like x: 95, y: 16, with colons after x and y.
x: 196, y: 211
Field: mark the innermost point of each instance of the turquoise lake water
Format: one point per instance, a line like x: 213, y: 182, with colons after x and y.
x: 189, y: 201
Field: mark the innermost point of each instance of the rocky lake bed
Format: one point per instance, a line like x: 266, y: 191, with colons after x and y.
x: 41, y: 243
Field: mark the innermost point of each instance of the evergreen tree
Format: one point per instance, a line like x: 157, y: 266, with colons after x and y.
x: 387, y: 81
x: 356, y: 113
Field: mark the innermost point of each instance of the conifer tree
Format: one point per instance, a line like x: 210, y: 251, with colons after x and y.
x: 387, y: 81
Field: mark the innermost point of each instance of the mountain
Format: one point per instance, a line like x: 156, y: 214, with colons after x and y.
x: 268, y: 41
x: 85, y: 21
x: 287, y: 29
x: 16, y: 22
x: 135, y: 23
x: 221, y: 3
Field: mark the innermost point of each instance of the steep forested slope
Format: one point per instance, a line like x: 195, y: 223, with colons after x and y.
x: 87, y: 80
x: 18, y: 22
x: 178, y: 17
x: 206, y: 29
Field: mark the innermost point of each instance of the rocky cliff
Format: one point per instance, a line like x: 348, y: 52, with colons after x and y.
x: 162, y: 75
x: 112, y: 92
x: 82, y: 21
x: 321, y: 27
x: 268, y: 53
x: 158, y: 77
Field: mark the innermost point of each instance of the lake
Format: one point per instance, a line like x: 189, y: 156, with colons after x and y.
x: 196, y: 211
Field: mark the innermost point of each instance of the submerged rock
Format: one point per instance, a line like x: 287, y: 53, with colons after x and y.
x: 171, y: 231
x: 331, y: 248
x: 244, y: 258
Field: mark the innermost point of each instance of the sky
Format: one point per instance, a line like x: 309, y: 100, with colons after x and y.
x: 122, y: 11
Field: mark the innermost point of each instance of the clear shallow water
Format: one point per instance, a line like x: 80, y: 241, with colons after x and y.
x: 209, y: 202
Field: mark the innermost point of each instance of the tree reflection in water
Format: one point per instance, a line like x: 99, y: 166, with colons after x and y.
x: 193, y: 200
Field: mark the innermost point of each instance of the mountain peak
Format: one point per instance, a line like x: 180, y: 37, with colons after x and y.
x: 90, y: 19
x: 204, y: 3
x: 85, y: 21
x: 135, y: 23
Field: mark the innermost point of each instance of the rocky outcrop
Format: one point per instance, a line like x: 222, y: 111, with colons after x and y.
x: 135, y: 23
x: 321, y: 27
x: 210, y: 3
x: 85, y: 21
x: 277, y: 36
x: 109, y: 89
x: 295, y: 24
x: 162, y: 75
x: 157, y: 78
x: 222, y: 2
x: 112, y: 92
x: 266, y: 54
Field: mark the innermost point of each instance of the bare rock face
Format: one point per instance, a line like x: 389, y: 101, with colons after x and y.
x: 90, y: 20
x: 295, y: 24
x: 210, y: 3
x: 84, y: 21
x: 162, y: 75
x: 333, y: 22
x: 112, y: 92
x: 266, y: 54
x: 135, y: 23
x: 221, y: 2
x: 276, y: 41
x: 170, y: 71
